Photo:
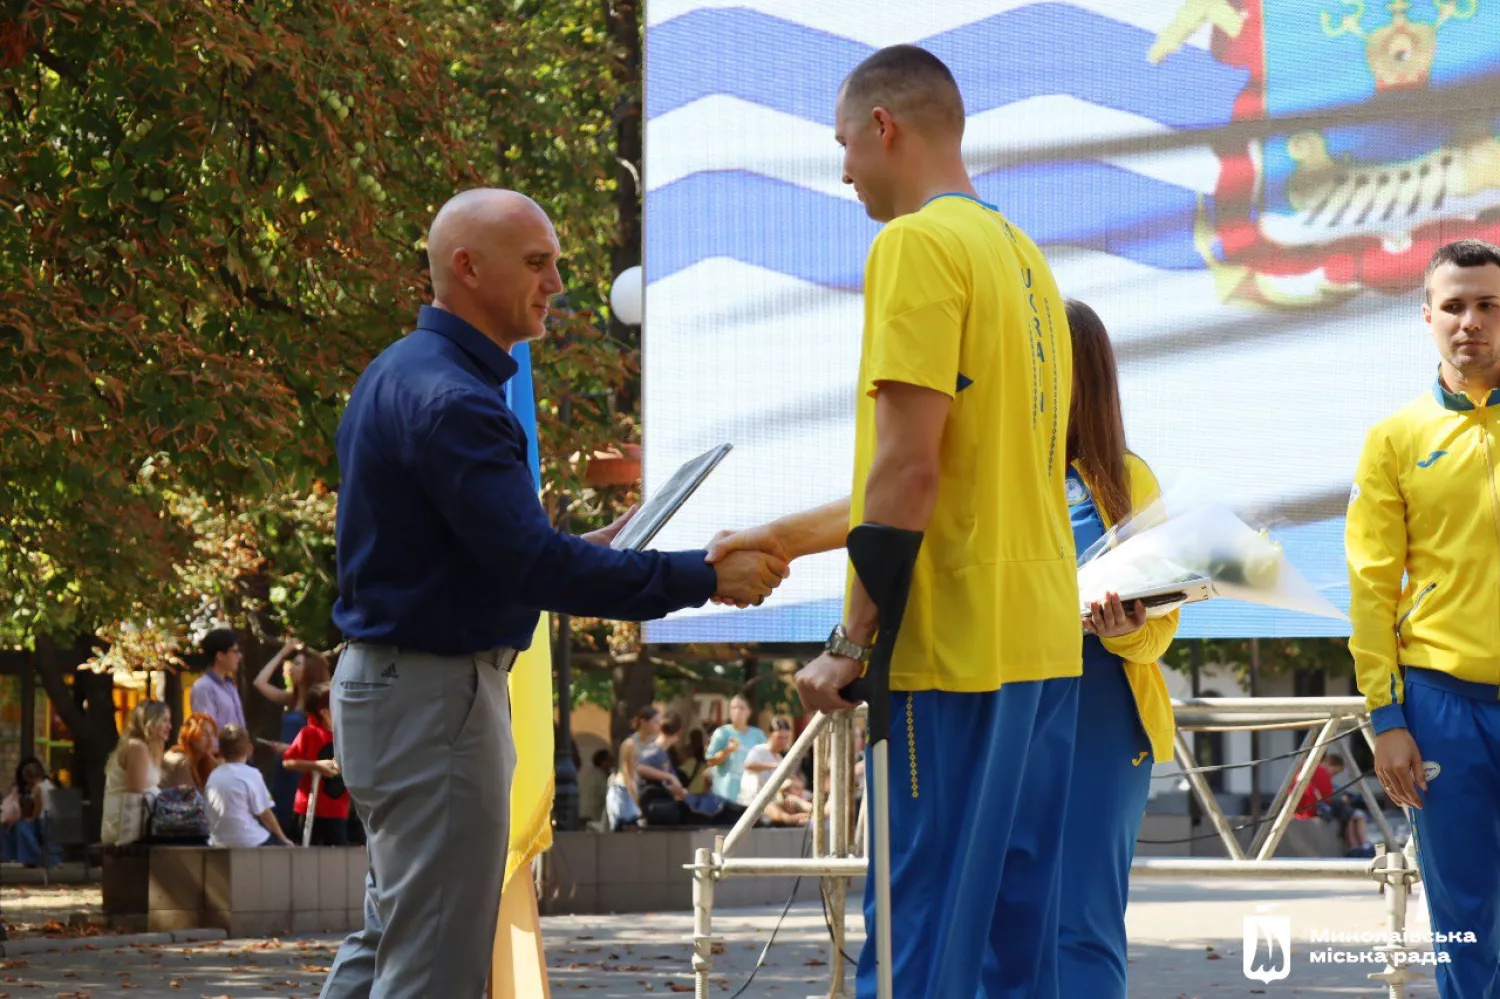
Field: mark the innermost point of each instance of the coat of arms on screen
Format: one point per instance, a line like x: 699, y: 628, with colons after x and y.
x: 1391, y: 146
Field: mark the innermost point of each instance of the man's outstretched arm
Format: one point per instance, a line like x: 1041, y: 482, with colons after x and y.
x: 809, y: 532
x: 901, y: 491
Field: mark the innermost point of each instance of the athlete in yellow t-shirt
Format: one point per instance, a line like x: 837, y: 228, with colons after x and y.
x: 960, y: 432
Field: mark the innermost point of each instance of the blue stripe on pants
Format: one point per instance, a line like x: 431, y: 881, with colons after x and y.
x: 1458, y: 831
x: 975, y: 854
x: 1111, y: 779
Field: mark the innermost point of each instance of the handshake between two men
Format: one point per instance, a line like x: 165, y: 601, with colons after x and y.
x: 753, y: 562
x: 746, y: 572
x: 820, y: 684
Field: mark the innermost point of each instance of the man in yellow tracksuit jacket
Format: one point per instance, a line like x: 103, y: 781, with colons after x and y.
x: 1426, y: 506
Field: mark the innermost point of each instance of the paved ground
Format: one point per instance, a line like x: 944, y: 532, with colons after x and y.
x: 1186, y: 942
x: 36, y: 910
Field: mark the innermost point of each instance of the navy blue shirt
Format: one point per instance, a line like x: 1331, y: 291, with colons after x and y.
x: 443, y: 545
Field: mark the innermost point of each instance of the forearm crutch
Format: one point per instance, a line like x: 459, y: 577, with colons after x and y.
x: 312, y: 809
x: 883, y: 558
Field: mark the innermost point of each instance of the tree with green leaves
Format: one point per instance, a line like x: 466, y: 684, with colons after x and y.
x: 211, y: 221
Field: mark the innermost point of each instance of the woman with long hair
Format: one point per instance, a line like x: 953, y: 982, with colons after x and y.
x: 1124, y: 711
x: 622, y: 798
x: 133, y: 769
x: 659, y: 789
x: 26, y: 815
x: 647, y: 724
x: 302, y: 669
x: 195, y: 755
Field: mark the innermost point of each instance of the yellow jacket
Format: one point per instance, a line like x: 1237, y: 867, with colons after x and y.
x: 1142, y: 648
x: 1426, y: 506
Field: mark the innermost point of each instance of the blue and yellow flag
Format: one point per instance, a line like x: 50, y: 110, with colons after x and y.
x: 518, y: 966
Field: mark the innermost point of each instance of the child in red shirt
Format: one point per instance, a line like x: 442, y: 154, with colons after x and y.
x: 312, y: 753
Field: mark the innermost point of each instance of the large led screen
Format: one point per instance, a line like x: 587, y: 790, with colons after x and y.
x: 1246, y: 191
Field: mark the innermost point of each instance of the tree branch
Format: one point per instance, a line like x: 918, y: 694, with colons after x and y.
x: 50, y: 669
x: 15, y: 104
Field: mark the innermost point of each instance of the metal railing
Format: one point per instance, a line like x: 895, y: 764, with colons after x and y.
x: 838, y: 824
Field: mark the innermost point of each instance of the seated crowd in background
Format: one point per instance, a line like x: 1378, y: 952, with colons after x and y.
x: 239, y: 804
x: 133, y: 772
x: 792, y: 804
x: 193, y: 759
x: 26, y: 817
x: 156, y: 794
x: 1322, y: 801
x: 669, y: 778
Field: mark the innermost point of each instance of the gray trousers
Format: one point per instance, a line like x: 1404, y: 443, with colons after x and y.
x: 424, y: 744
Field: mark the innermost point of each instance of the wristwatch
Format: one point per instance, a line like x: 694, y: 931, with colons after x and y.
x: 839, y: 644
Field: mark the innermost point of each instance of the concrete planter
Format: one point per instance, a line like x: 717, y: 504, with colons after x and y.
x: 643, y: 871
x: 245, y: 892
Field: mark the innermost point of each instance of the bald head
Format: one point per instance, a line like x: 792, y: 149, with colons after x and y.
x: 493, y: 256
x: 476, y: 219
x: 912, y: 84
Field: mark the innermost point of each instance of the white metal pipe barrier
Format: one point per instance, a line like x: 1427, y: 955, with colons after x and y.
x: 838, y: 824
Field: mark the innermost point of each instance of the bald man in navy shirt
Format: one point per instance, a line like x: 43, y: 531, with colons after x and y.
x: 445, y: 560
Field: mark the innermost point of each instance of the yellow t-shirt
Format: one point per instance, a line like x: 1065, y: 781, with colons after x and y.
x: 960, y: 301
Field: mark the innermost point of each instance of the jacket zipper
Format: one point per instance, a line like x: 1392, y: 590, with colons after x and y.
x: 1489, y: 477
x: 1413, y: 609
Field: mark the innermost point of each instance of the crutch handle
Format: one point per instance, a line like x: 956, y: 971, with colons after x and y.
x: 883, y: 558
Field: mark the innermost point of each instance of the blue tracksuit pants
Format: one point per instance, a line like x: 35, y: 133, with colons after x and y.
x: 1457, y: 726
x: 978, y: 791
x: 1110, y: 781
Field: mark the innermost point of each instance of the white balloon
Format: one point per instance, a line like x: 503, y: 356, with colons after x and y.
x: 626, y: 296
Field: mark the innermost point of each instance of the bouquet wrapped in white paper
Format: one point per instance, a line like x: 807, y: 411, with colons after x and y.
x: 1167, y: 559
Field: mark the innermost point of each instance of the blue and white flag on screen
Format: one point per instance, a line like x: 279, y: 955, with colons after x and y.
x: 1261, y: 282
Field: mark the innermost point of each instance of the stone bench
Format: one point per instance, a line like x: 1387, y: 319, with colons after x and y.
x: 267, y: 891
x: 259, y: 891
x: 642, y: 871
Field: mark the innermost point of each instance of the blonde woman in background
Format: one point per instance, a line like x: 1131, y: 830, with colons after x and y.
x: 133, y: 770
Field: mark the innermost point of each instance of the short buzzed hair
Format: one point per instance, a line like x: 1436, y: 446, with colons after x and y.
x: 908, y: 80
x: 1460, y: 253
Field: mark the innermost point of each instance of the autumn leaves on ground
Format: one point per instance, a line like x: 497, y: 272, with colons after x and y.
x: 605, y: 956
